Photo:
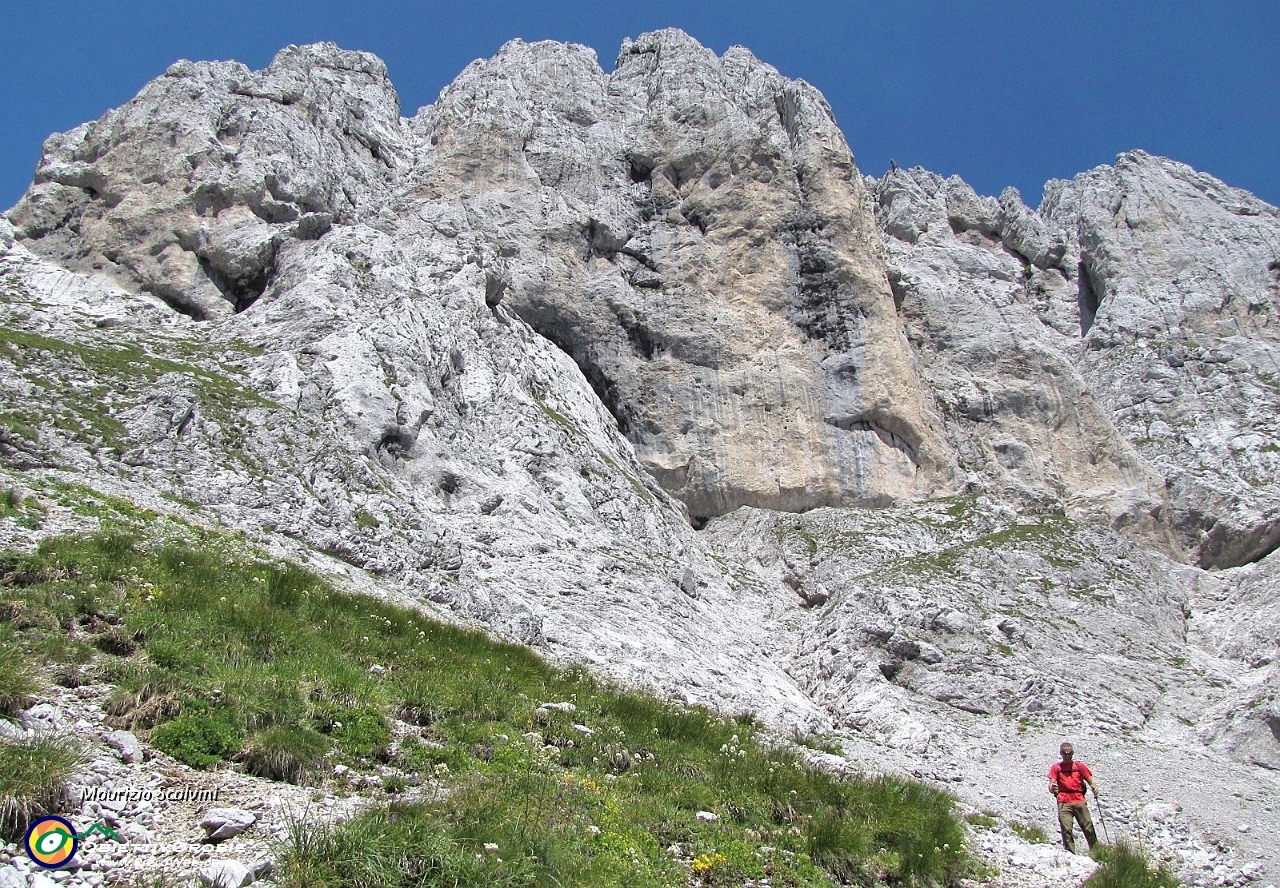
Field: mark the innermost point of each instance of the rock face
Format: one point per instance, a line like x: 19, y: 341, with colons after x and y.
x: 1183, y: 346
x: 503, y: 357
x: 1116, y: 351
x: 190, y: 190
x: 691, y: 230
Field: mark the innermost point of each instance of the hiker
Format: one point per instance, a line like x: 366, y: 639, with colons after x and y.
x: 1067, y: 779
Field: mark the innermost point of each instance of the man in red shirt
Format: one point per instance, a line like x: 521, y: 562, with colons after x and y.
x: 1067, y: 780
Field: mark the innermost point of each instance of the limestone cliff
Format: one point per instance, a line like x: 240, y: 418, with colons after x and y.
x: 1116, y: 351
x: 691, y: 230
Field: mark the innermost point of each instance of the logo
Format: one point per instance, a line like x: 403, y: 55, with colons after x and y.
x: 52, y: 841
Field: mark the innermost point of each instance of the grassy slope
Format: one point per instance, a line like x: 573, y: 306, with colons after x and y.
x: 218, y: 656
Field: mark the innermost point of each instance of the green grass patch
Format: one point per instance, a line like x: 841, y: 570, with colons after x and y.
x: 389, y: 847
x: 1051, y: 537
x: 218, y: 655
x: 27, y: 511
x: 130, y: 361
x: 23, y: 423
x: 33, y: 781
x: 84, y: 500
x: 1123, y: 866
x: 17, y: 684
x: 799, y: 536
x: 11, y: 502
x: 818, y: 743
x: 639, y: 488
x: 1029, y: 832
x: 77, y: 379
x: 185, y: 502
x: 982, y: 820
x: 558, y: 418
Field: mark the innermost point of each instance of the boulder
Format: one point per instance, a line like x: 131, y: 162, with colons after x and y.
x: 221, y: 824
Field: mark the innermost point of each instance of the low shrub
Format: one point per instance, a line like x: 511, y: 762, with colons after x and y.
x: 197, y: 739
x: 360, y: 731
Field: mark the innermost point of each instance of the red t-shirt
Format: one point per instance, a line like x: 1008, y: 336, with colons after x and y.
x: 1070, y: 783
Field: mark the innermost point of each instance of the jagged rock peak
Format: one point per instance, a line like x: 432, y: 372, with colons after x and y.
x: 1139, y: 304
x: 691, y: 229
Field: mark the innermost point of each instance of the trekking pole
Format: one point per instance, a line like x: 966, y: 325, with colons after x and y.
x: 1101, y: 819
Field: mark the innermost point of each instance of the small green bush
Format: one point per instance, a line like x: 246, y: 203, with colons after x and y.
x: 197, y: 739
x: 290, y: 754
x: 33, y: 781
x: 1124, y: 866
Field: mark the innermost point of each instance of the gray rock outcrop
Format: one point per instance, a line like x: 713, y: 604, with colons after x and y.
x: 190, y: 190
x: 126, y: 746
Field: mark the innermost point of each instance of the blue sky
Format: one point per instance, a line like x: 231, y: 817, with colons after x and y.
x: 1002, y: 93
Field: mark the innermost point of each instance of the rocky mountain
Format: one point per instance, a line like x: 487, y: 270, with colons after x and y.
x: 638, y: 368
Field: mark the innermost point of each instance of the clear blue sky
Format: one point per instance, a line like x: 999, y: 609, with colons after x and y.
x: 1002, y: 93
